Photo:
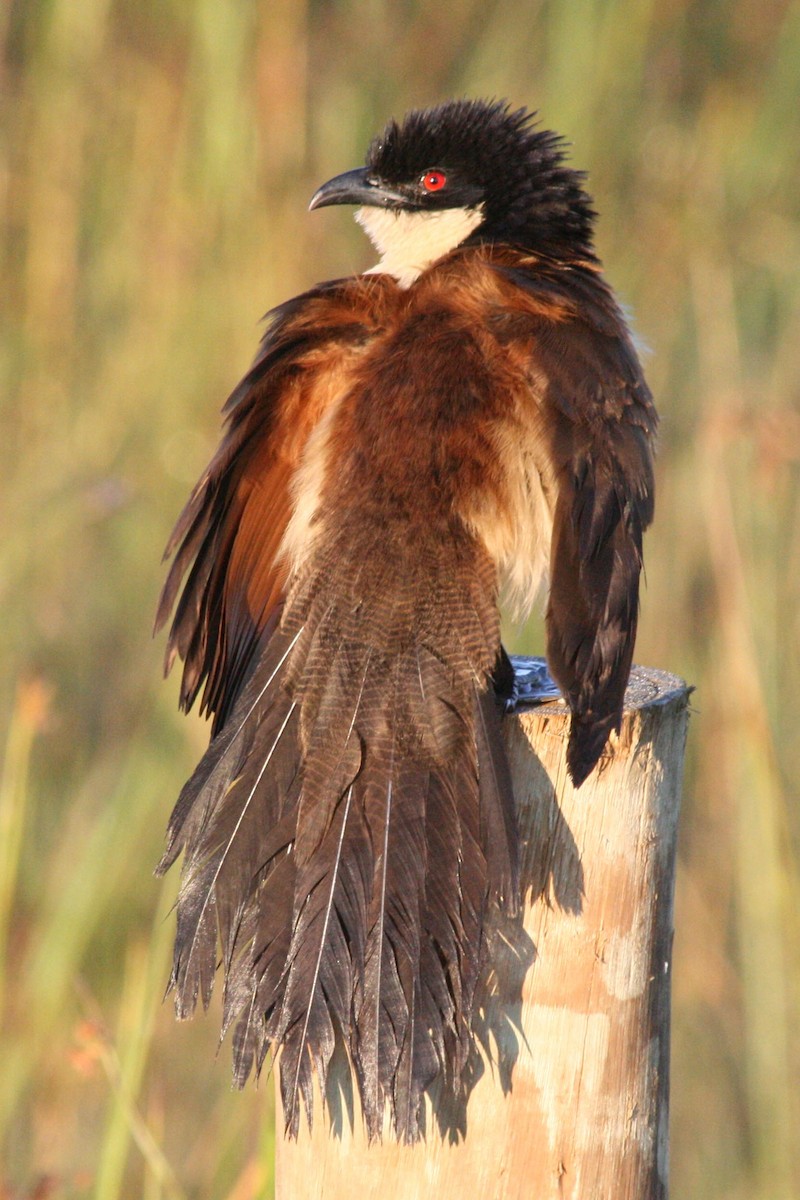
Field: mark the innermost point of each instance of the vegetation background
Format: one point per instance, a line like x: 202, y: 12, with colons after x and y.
x: 157, y: 159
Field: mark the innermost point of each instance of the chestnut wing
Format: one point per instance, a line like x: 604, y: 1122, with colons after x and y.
x: 227, y: 564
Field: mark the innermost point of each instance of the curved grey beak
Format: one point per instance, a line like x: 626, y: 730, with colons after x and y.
x: 357, y: 187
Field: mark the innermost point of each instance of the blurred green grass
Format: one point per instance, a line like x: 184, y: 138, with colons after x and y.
x: 157, y: 158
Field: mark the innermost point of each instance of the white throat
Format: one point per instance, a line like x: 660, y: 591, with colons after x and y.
x: 408, y: 242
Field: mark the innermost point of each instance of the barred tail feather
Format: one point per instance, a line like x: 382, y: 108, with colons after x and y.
x: 344, y: 839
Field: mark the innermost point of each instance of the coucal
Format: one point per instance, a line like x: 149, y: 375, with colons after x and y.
x: 468, y: 416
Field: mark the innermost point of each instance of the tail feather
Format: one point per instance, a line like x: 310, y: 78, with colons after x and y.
x: 346, y: 837
x: 225, y: 821
x: 317, y: 980
x: 394, y: 800
x: 498, y: 819
x: 254, y: 975
x: 333, y: 753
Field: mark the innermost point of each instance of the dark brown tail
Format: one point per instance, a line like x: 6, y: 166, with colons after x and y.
x: 345, y: 837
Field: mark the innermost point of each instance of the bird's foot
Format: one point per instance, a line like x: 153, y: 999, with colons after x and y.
x: 533, y: 684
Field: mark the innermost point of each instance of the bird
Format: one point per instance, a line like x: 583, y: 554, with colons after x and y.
x: 466, y: 421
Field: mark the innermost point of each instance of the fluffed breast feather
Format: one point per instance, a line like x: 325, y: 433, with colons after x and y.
x: 391, y: 459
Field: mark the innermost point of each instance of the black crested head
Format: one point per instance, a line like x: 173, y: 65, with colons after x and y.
x: 467, y: 153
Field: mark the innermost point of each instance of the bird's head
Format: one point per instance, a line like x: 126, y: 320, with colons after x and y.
x: 468, y: 171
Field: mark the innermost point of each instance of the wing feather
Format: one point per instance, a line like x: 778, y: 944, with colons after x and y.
x: 589, y: 423
x: 229, y: 535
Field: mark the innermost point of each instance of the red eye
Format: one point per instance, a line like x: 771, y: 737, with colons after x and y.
x: 433, y: 181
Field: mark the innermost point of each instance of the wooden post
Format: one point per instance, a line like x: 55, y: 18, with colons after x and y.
x: 572, y: 1091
